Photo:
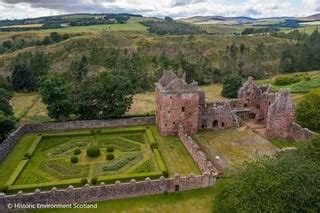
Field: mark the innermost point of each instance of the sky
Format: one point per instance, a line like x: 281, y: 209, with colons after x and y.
x: 16, y: 9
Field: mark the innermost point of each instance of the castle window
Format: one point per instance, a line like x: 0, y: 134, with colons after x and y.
x: 222, y: 124
x: 258, y: 106
x: 170, y: 97
x: 174, y: 123
x: 182, y: 109
x: 190, y: 113
x: 169, y: 112
x: 166, y: 125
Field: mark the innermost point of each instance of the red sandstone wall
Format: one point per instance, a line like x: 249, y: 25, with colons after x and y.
x: 173, y: 109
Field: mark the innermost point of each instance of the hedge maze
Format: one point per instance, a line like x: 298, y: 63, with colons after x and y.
x: 58, y: 159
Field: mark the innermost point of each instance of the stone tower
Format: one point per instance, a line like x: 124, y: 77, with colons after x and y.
x: 177, y: 102
x: 280, y: 116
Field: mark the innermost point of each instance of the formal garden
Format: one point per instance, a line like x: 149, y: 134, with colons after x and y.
x: 63, y: 158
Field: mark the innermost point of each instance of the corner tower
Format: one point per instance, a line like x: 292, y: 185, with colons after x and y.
x: 177, y: 102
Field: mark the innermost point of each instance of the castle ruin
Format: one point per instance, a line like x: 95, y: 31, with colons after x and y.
x: 181, y: 104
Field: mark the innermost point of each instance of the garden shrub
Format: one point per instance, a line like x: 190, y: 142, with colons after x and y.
x: 165, y: 173
x: 154, y: 146
x: 94, y: 180
x: 84, y: 181
x: 74, y: 159
x: 27, y: 156
x: 77, y: 151
x: 62, y: 149
x: 4, y: 189
x: 110, y: 156
x: 93, y: 151
x: 110, y: 149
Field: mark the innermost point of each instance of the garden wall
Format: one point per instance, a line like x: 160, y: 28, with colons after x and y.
x: 90, y: 194
x: 199, y: 157
x: 15, y: 136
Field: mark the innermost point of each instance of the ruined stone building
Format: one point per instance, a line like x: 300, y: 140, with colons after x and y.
x: 180, y: 103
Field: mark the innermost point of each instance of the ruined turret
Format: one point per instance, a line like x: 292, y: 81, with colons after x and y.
x: 280, y: 116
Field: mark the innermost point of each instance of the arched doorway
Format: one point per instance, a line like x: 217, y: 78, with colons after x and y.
x: 215, y: 124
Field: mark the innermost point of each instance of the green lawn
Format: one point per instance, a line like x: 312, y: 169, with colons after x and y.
x: 285, y: 143
x: 134, y: 158
x: 195, y: 201
x: 233, y: 146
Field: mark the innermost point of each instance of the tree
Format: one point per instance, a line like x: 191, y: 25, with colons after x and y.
x: 57, y: 96
x: 22, y: 77
x: 5, y: 106
x: 231, y: 84
x: 28, y: 69
x: 79, y: 69
x: 106, y: 96
x: 7, y: 123
x: 308, y: 110
x: 287, y: 183
x: 7, y: 120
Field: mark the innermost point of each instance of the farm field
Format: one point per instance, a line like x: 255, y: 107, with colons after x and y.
x: 96, y: 28
x: 233, y: 147
x: 45, y: 160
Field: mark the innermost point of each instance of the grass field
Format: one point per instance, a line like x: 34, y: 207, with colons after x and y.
x: 233, y: 146
x: 96, y: 28
x: 284, y: 143
x: 50, y: 164
x: 195, y: 201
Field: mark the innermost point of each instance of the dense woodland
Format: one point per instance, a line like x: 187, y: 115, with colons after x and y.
x: 171, y: 27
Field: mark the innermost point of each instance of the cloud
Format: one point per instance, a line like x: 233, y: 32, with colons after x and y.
x: 159, y: 8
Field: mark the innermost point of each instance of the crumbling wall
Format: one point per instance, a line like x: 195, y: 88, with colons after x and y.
x: 280, y: 116
x: 199, y: 157
x: 216, y: 115
x: 299, y: 133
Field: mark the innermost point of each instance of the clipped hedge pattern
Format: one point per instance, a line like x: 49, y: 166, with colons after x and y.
x: 120, y: 162
x: 62, y: 170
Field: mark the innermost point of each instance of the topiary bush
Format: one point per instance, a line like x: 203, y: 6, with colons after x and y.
x: 77, y: 151
x: 110, y: 157
x: 154, y: 146
x: 93, y: 152
x: 27, y: 156
x: 84, y: 181
x: 110, y: 149
x: 94, y: 180
x: 74, y: 159
x: 4, y: 189
x: 165, y: 173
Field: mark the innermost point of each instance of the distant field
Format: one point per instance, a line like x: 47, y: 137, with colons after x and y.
x: 300, y: 87
x: 23, y: 26
x: 100, y: 27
